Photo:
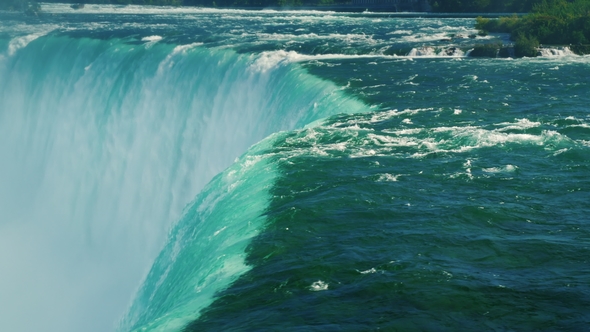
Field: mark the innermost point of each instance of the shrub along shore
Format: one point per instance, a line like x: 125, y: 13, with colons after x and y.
x: 557, y: 22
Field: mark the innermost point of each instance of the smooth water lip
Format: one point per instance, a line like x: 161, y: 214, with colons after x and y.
x: 211, y: 218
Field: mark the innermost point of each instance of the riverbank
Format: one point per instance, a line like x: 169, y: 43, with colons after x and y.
x: 556, y: 23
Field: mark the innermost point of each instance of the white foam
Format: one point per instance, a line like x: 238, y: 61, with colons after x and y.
x: 469, y: 138
x: 349, y: 38
x: 423, y: 38
x: 503, y: 169
x: 467, y: 166
x: 521, y: 124
x: 151, y: 41
x: 388, y: 177
x: 319, y: 286
x: 382, y: 116
x: 422, y: 51
x: 421, y: 141
x: 583, y: 125
x: 272, y: 59
x: 555, y: 52
x: 365, y: 153
x: 178, y: 50
x: 369, y: 271
x: 393, y: 141
x: 22, y: 42
x: 57, y: 8
x: 154, y: 38
x: 429, y: 51
x: 400, y: 32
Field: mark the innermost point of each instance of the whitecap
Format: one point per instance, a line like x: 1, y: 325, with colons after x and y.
x: 318, y: 286
x: 386, y: 177
x: 555, y: 52
x: 154, y: 38
x: 369, y: 271
x: 503, y: 169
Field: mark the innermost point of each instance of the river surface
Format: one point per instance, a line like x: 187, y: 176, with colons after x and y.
x: 194, y: 169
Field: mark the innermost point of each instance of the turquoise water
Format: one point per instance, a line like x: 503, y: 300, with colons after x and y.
x: 216, y: 170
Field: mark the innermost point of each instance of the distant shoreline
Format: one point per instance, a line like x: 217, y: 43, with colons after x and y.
x: 385, y: 11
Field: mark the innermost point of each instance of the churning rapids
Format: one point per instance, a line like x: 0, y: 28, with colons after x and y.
x: 195, y: 169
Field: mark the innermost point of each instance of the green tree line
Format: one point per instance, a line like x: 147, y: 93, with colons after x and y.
x: 551, y: 22
x: 554, y: 22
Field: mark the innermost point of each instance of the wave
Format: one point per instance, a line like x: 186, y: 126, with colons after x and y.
x: 57, y: 8
x: 104, y: 144
x: 436, y: 52
x: 357, y: 137
x: 555, y: 52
